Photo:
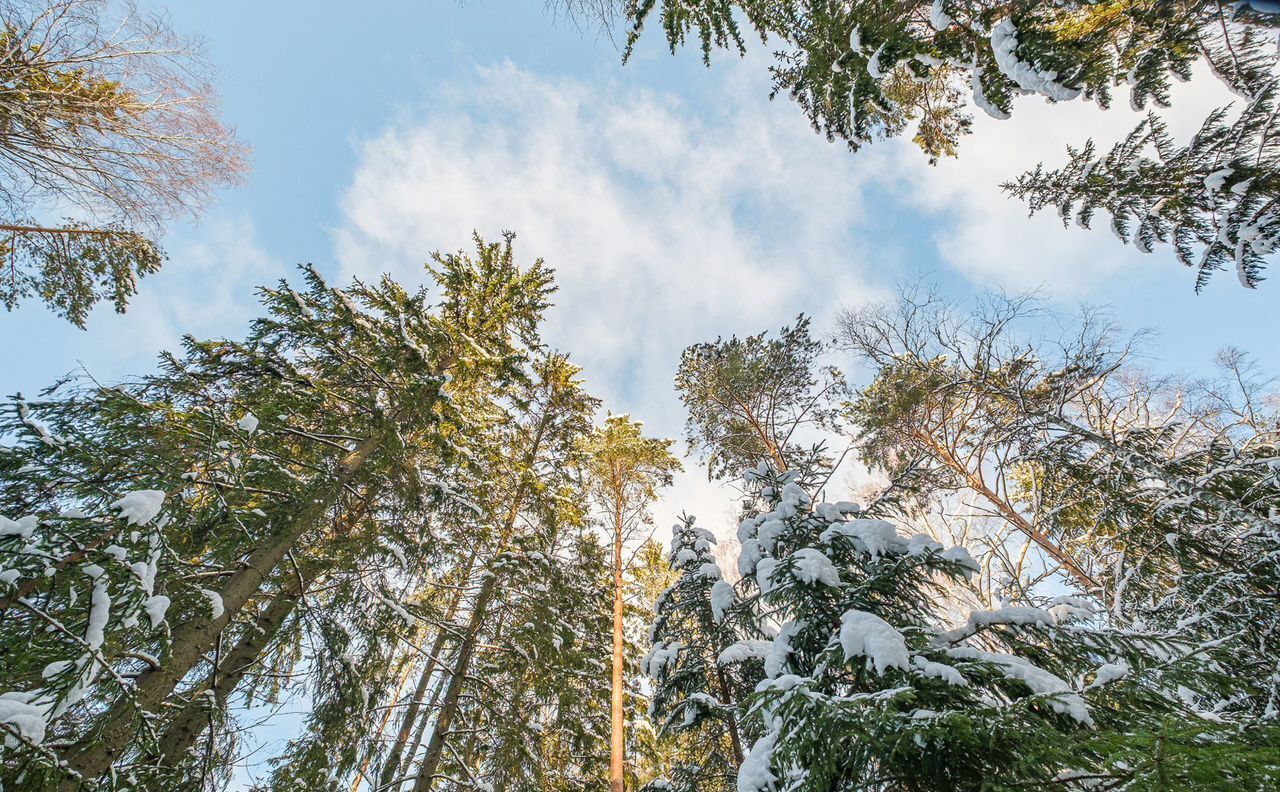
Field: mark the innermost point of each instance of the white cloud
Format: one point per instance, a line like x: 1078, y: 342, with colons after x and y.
x: 986, y: 235
x: 670, y: 224
x: 665, y: 226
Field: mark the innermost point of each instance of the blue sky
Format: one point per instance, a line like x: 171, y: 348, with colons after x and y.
x: 676, y: 203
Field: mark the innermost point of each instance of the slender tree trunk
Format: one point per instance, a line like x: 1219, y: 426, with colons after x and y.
x: 382, y: 727
x: 391, y: 766
x: 733, y: 722
x: 190, y: 722
x: 418, y: 734
x: 976, y: 483
x: 617, y: 736
x: 94, y: 753
x: 449, y: 707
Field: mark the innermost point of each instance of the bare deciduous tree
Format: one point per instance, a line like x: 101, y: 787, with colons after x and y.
x: 106, y: 116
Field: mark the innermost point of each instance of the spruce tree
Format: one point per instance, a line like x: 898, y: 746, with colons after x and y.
x: 863, y: 687
x: 704, y: 645
x: 867, y: 70
x: 317, y: 417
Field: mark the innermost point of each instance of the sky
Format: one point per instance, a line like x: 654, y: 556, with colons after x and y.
x: 676, y: 203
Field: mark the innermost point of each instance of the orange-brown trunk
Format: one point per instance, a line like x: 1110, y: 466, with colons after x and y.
x: 617, y: 741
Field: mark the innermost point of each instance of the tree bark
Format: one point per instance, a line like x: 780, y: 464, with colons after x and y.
x: 391, y: 766
x: 418, y: 734
x: 733, y: 722
x: 190, y: 722
x: 449, y: 708
x: 617, y: 736
x: 93, y: 755
x: 386, y: 718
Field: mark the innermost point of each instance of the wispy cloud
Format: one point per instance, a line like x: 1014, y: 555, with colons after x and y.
x: 986, y: 236
x: 665, y: 226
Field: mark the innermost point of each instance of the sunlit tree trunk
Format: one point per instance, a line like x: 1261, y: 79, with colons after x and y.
x: 93, y: 754
x: 391, y: 766
x: 191, y: 721
x: 617, y: 737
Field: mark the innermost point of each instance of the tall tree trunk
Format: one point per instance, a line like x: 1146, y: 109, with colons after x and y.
x: 186, y: 727
x: 93, y: 754
x: 975, y: 481
x: 418, y: 734
x: 391, y: 766
x: 617, y: 736
x: 734, y: 739
x: 449, y: 708
x: 382, y: 727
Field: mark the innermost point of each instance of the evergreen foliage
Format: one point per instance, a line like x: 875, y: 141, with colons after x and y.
x: 867, y: 70
x: 748, y: 397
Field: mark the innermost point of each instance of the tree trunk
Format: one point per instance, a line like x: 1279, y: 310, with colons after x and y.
x: 418, y: 734
x: 449, y: 708
x: 391, y: 766
x: 617, y: 736
x: 93, y: 754
x: 435, y: 747
x: 733, y: 722
x: 975, y: 482
x: 382, y: 727
x: 190, y: 722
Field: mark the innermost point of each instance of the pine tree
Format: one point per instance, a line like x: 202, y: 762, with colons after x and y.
x: 625, y: 471
x: 652, y: 754
x: 747, y: 398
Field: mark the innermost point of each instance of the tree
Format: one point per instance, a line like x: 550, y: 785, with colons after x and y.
x: 1183, y: 529
x: 703, y: 646
x: 863, y: 687
x: 625, y: 472
x: 353, y: 388
x: 1152, y: 490
x: 747, y: 398
x: 930, y: 413
x: 104, y: 111
x: 652, y: 753
x: 533, y: 455
x: 864, y: 70
x: 1224, y: 182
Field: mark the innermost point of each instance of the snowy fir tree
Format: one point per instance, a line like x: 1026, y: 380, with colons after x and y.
x: 862, y: 686
x: 701, y: 652
x: 867, y: 70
